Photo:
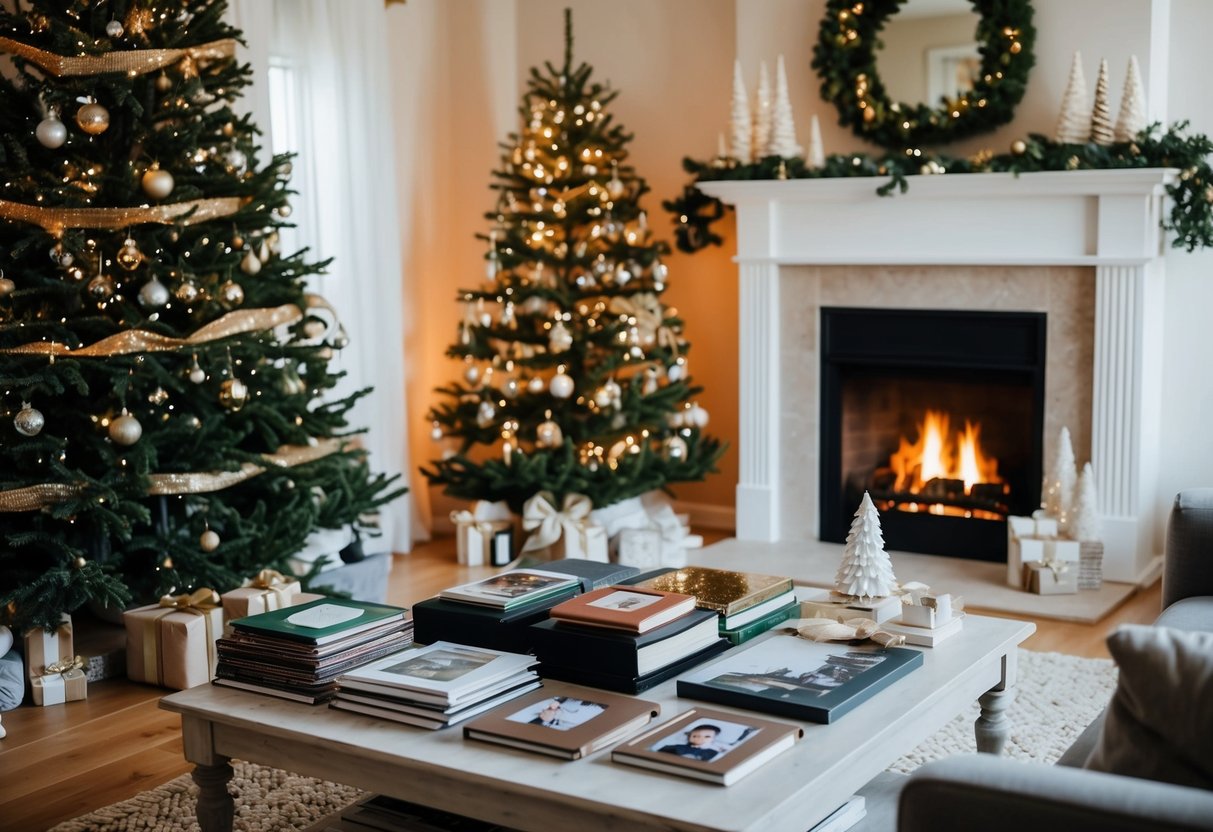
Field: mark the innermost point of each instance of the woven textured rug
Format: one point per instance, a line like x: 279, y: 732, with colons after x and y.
x: 1057, y: 697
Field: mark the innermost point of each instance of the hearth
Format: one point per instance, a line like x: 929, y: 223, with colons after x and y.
x: 939, y: 414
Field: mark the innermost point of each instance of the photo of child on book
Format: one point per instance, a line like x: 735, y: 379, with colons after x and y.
x: 558, y: 712
x: 705, y: 740
x: 441, y: 665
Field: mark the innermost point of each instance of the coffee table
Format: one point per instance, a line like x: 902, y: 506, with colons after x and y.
x: 533, y: 792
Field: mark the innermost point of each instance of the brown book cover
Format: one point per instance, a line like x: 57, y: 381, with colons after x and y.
x: 723, y: 590
x: 709, y: 745
x: 624, y: 608
x: 567, y: 726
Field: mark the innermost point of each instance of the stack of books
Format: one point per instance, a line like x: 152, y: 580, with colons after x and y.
x: 437, y: 685
x: 495, y: 612
x: 624, y: 638
x: 748, y: 604
x: 298, y: 652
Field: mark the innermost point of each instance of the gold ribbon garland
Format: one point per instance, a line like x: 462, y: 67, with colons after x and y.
x: 132, y: 62
x: 35, y: 497
x: 200, y: 602
x: 55, y: 220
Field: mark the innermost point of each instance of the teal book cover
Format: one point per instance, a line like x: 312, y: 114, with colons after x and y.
x: 320, y: 621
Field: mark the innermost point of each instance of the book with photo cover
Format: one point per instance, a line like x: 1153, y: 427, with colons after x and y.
x: 709, y: 745
x: 448, y: 672
x: 791, y: 676
x: 625, y: 608
x: 424, y: 718
x: 579, y: 675
x: 513, y: 588
x: 568, y: 726
x: 321, y: 621
x: 603, y: 650
x: 724, y: 590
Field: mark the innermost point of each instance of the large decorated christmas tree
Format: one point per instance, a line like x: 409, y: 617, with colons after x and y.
x: 164, y: 424
x: 575, y: 375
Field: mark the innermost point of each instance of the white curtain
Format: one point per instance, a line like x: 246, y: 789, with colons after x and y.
x: 321, y: 90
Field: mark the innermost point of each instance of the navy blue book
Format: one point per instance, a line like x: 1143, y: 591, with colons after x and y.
x: 618, y: 652
x: 790, y: 676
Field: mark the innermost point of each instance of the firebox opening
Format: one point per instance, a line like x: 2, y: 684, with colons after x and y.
x: 938, y: 415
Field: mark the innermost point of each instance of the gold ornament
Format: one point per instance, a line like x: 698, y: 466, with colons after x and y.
x: 1019, y: 147
x: 125, y: 429
x: 7, y: 287
x: 187, y: 291
x: 209, y: 541
x: 163, y: 83
x: 100, y: 287
x: 80, y: 562
x: 548, y: 434
x: 157, y: 184
x: 93, y: 118
x: 233, y: 394
x: 129, y: 256
x: 231, y: 294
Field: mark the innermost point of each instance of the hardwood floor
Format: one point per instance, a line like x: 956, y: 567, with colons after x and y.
x: 59, y: 762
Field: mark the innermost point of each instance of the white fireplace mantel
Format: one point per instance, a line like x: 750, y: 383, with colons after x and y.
x: 1107, y: 219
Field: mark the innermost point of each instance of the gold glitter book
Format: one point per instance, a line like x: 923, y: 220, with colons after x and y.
x: 723, y: 590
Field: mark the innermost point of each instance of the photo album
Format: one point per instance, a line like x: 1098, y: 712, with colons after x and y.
x: 515, y: 588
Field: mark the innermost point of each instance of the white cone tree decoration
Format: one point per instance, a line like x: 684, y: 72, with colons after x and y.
x: 1101, y: 110
x: 817, y: 150
x: 739, y: 115
x: 865, y: 571
x: 763, y: 114
x: 1074, y: 123
x: 783, y: 129
x: 1084, y: 522
x: 1132, y: 118
x: 1059, y: 486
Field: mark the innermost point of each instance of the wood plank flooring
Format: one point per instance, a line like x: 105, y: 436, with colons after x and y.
x: 59, y: 762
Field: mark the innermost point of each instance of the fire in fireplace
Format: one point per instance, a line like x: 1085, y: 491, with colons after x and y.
x: 939, y: 415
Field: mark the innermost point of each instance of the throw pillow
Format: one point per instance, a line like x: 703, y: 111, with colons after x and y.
x: 1160, y: 720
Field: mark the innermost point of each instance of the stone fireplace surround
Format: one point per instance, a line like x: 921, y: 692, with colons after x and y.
x: 1085, y: 247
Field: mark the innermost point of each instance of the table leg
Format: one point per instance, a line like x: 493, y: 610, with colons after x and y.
x: 216, y: 809
x: 993, y: 726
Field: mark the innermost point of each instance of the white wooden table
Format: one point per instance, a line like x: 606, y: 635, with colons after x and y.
x: 533, y: 792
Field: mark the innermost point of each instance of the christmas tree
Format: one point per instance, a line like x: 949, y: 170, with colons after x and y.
x: 865, y: 571
x: 163, y: 369
x: 574, y: 372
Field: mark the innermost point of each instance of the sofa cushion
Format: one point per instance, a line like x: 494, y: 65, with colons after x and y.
x: 1160, y: 719
x: 1189, y: 614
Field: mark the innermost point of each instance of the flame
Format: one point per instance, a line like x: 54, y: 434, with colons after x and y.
x: 938, y: 454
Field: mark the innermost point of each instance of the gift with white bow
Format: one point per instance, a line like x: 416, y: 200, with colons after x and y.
x: 565, y: 532
x: 645, y: 532
x: 484, y: 536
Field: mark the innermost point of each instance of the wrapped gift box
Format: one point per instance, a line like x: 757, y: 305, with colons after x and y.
x: 1090, y: 564
x: 586, y: 543
x: 932, y: 611
x: 44, y: 648
x: 485, y: 535
x: 173, y: 643
x: 55, y: 688
x: 1033, y: 540
x: 269, y: 591
x: 1042, y: 579
x: 640, y: 548
x: 568, y: 532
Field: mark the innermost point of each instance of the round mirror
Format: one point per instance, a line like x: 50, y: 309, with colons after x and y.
x: 905, y: 73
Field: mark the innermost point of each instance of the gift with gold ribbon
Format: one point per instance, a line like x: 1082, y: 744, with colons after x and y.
x: 59, y: 682
x: 172, y: 643
x: 1050, y: 577
x: 44, y: 648
x: 567, y: 532
x: 484, y: 536
x: 269, y: 590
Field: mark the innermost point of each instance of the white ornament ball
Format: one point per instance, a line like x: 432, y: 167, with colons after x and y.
x: 548, y: 434
x: 51, y: 132
x: 675, y: 372
x: 114, y: 29
x: 209, y: 541
x: 561, y: 385
x: 676, y: 447
x: 603, y: 397
x: 471, y: 374
x: 436, y: 432
x: 697, y: 417
x: 197, y: 375
x: 535, y: 385
x: 559, y: 339
x: 154, y: 294
x: 125, y: 430
x: 157, y: 183
x: 29, y: 421
x: 7, y: 287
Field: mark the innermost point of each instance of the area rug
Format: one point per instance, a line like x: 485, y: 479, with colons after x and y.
x: 1056, y: 698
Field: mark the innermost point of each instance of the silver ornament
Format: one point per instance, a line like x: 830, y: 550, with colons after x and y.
x: 157, y: 183
x: 675, y: 371
x: 51, y: 132
x: 197, y: 374
x: 114, y: 29
x: 154, y: 294
x: 675, y: 447
x: 28, y: 421
x: 486, y: 414
x: 535, y: 385
x: 561, y: 385
x: 471, y: 374
x: 125, y: 429
x: 559, y: 338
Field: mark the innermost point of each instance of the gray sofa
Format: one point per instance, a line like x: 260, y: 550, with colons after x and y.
x: 995, y: 794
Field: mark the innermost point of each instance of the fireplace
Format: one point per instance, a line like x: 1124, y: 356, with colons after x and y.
x: 939, y: 414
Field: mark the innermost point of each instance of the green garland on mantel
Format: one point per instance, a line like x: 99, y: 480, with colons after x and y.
x: 1190, y: 220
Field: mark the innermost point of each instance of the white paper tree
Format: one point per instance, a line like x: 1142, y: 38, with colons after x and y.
x: 739, y: 115
x: 1074, y: 123
x: 1132, y: 118
x: 817, y: 150
x: 1084, y: 522
x: 763, y: 114
x: 865, y: 571
x: 1059, y: 486
x: 1101, y: 110
x: 783, y: 129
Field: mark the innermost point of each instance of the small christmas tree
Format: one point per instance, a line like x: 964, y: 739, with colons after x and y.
x: 865, y: 571
x: 1132, y: 118
x: 1084, y: 523
x: 783, y: 130
x: 762, y: 114
x: 817, y: 152
x: 1074, y: 123
x: 739, y: 114
x: 1101, y: 112
x: 1059, y: 486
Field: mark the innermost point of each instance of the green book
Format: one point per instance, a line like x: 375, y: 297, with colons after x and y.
x: 320, y: 621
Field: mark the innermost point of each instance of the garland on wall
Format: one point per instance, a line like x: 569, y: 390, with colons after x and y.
x: 1190, y: 220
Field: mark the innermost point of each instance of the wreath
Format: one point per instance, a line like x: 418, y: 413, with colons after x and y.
x: 845, y: 57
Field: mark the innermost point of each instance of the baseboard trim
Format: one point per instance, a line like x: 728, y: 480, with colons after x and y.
x: 1151, y: 573
x: 708, y: 516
